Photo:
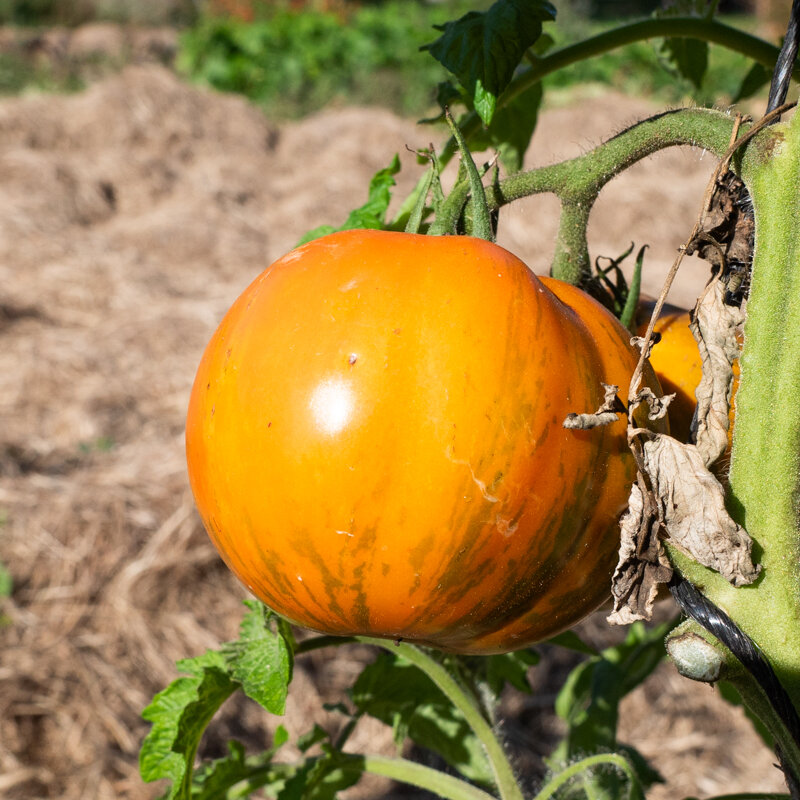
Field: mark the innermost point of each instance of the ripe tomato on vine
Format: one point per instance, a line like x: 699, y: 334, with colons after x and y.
x: 375, y: 442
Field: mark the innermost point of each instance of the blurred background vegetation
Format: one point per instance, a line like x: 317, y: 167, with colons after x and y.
x: 293, y: 57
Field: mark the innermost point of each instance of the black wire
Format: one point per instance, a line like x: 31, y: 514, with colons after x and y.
x: 717, y: 622
x: 784, y: 66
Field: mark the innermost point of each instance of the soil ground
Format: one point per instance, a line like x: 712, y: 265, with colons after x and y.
x: 131, y: 216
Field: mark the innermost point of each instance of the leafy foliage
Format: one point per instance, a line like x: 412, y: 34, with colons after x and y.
x: 259, y: 662
x: 483, y: 49
x: 296, y: 63
x: 589, y: 704
x: 402, y: 696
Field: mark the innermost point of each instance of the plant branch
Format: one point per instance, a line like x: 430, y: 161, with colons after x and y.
x: 432, y: 780
x: 688, y: 27
x: 573, y: 770
x: 578, y: 181
x: 503, y: 773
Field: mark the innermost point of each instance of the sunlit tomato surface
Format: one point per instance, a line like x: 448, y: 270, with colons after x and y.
x: 676, y: 360
x: 375, y: 442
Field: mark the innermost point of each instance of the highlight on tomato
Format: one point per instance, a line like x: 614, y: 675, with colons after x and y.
x: 375, y: 442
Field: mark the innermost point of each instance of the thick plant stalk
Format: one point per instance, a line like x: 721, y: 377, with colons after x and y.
x: 503, y: 773
x: 765, y: 468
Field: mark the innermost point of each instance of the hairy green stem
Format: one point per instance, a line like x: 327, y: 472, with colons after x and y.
x: 765, y: 463
x: 578, y: 181
x: 573, y: 770
x: 752, y: 694
x: 766, y: 444
x: 432, y: 780
x: 503, y: 773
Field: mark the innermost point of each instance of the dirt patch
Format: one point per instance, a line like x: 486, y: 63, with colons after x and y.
x: 131, y: 216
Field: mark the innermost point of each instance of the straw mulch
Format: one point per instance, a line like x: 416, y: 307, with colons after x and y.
x: 131, y: 215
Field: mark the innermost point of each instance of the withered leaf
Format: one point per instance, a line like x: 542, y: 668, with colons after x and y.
x: 678, y: 500
x: 608, y: 412
x: 728, y: 222
x: 715, y: 326
x: 643, y: 562
x: 691, y: 508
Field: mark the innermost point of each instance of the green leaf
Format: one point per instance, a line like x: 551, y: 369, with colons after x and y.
x: 589, y: 704
x: 240, y: 776
x: 511, y: 128
x: 571, y: 641
x: 372, y: 214
x: 179, y: 715
x: 261, y: 659
x: 323, y: 778
x: 259, y: 662
x: 482, y: 49
x: 688, y: 57
x: 757, y: 77
x: 495, y: 671
x: 402, y: 696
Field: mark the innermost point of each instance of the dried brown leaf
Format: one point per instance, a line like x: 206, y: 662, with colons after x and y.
x: 643, y: 564
x: 691, y: 508
x: 728, y: 226
x: 715, y: 326
x: 608, y: 412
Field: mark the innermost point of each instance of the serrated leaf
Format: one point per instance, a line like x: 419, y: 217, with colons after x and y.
x: 688, y: 57
x: 372, y: 214
x: 482, y: 49
x: 402, y: 696
x: 179, y: 715
x: 261, y: 659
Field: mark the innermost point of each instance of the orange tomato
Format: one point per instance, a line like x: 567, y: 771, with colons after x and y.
x: 375, y: 442
x: 676, y: 360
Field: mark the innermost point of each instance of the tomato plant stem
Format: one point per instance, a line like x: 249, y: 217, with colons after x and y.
x: 764, y: 484
x: 578, y: 181
x: 503, y: 773
x: 400, y: 769
x: 573, y: 770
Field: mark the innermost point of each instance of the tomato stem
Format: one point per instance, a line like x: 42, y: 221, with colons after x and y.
x: 503, y: 773
x: 577, y: 181
x: 764, y: 491
x: 573, y: 770
x: 413, y: 774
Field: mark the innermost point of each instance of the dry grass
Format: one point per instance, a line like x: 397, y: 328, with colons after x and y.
x: 130, y: 217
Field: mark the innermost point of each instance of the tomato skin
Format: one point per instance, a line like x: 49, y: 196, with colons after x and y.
x: 375, y: 442
x: 676, y: 360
